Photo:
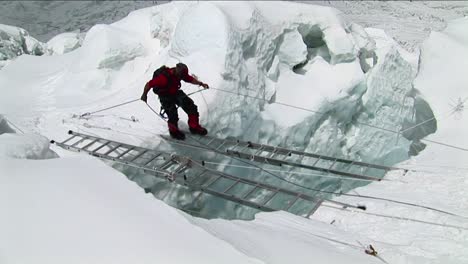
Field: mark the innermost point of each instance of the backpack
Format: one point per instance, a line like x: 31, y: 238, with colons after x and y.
x: 164, y: 70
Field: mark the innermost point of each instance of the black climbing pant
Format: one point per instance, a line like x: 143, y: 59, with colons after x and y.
x: 170, y: 102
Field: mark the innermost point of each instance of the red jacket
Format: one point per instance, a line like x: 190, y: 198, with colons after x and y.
x: 164, y: 86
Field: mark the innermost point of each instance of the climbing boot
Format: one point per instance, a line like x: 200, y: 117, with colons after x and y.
x: 195, y: 127
x: 175, y: 132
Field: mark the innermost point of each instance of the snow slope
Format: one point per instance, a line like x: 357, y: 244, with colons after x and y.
x: 79, y: 210
x: 439, y: 179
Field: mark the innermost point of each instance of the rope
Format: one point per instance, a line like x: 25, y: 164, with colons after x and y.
x: 348, y: 205
x: 278, y: 177
x: 317, y: 190
x: 107, y: 108
x: 360, y: 123
x: 444, y: 144
x: 397, y: 217
x: 15, y: 126
x: 292, y: 173
x: 280, y: 103
x: 352, y: 195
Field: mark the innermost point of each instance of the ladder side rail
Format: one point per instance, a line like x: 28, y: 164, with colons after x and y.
x: 259, y: 184
x: 316, y: 206
x: 341, y: 160
x: 284, y: 162
x: 239, y: 200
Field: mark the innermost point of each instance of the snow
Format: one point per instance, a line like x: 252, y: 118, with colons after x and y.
x: 79, y: 210
x: 283, y: 238
x: 443, y: 82
x: 357, y: 83
x: 15, y: 41
x: 439, y: 173
x: 28, y: 146
x: 64, y: 43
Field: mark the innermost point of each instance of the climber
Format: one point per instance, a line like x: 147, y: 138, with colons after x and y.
x: 166, y: 84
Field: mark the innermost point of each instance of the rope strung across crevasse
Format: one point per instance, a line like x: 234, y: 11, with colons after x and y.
x: 398, y: 217
x: 15, y: 126
x: 317, y: 190
x: 343, y: 204
x: 328, y: 192
x: 360, y: 123
x: 107, y: 108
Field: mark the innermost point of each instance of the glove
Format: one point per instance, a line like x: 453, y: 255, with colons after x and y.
x: 204, y: 85
x: 144, y: 98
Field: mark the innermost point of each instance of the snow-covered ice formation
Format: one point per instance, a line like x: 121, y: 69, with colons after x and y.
x: 15, y: 41
x: 356, y: 85
x: 358, y: 91
x: 65, y: 42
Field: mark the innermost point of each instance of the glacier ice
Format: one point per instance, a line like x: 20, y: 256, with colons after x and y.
x: 15, y: 41
x: 356, y: 83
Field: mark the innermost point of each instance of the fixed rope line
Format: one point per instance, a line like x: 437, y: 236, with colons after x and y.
x: 331, y: 201
x: 397, y: 217
x: 317, y: 190
x: 258, y: 98
x: 292, y: 173
x: 444, y: 144
x: 360, y: 123
x: 282, y: 179
x: 15, y: 126
x: 352, y: 195
x: 107, y: 108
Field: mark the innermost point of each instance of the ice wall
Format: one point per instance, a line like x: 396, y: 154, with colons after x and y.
x: 15, y: 41
x: 356, y: 82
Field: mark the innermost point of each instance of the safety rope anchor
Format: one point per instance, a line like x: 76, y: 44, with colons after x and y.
x: 370, y: 250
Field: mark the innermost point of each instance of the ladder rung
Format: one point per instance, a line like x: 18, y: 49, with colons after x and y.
x: 260, y: 150
x: 100, y: 147
x: 332, y: 164
x: 250, y: 192
x: 275, y: 192
x: 166, y: 164
x: 231, y: 186
x: 68, y: 139
x: 235, y: 146
x: 196, y: 177
x: 112, y: 149
x: 224, y: 142
x: 125, y: 152
x: 292, y: 202
x: 211, y: 183
x: 242, y: 149
x: 78, y: 142
x: 152, y: 159
x: 208, y: 143
x: 197, y: 197
x: 317, y: 204
x: 181, y: 168
x: 139, y: 155
x: 272, y: 154
x: 316, y: 161
x: 89, y: 144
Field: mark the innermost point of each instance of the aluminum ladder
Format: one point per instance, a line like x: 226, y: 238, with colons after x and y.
x: 192, y: 174
x: 279, y: 156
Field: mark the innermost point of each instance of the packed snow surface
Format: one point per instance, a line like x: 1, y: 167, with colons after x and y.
x: 306, y: 79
